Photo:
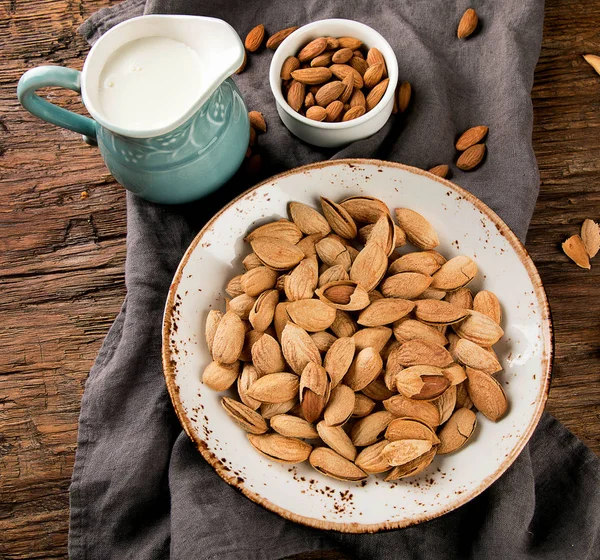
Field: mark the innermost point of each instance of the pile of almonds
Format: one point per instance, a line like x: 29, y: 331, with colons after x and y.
x: 331, y: 79
x: 346, y: 353
x: 581, y: 248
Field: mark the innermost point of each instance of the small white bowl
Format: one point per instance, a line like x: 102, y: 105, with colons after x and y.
x: 333, y: 135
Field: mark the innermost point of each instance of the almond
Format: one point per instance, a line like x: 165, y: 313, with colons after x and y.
x: 365, y: 368
x: 314, y: 48
x: 344, y: 325
x: 370, y: 429
x: 404, y: 95
x: 471, y: 157
x: 333, y: 274
x: 345, y: 295
x: 257, y: 121
x: 454, y: 274
x: 302, y: 281
x: 446, y: 402
x: 242, y: 305
x: 457, y: 431
x: 342, y: 56
x: 363, y: 406
x: 440, y: 171
x: 295, y: 95
x: 424, y: 411
x: 409, y: 329
x: 234, y: 286
x: 385, y: 311
x: 357, y: 99
x: 359, y: 64
x: 312, y: 76
x: 376, y: 94
x: 314, y: 391
x: 212, y: 322
x: 250, y: 261
x: 311, y: 314
x: 471, y: 137
x: 282, y: 229
x: 316, y: 113
x: 280, y: 448
x: 292, y: 426
x: 411, y: 468
x: 461, y: 298
x: 275, y: 387
x: 280, y: 318
x: 334, y: 111
x: 468, y: 24
x: 371, y: 460
x: 329, y: 92
x: 406, y: 285
x: 257, y: 280
x: 366, y: 209
x: 350, y: 43
x: 243, y: 64
x: 418, y: 230
x: 229, y: 339
x: 330, y: 463
x: 338, y: 217
x: 336, y: 438
x: 309, y: 101
x: 590, y: 235
x: 255, y: 38
x: 374, y: 56
x: 402, y: 451
x: 373, y: 75
x: 372, y: 337
x: 369, y: 267
x: 342, y: 70
x: 267, y: 356
x: 332, y: 43
x: 575, y: 250
x: 261, y: 314
x: 474, y: 356
x: 323, y: 59
x: 324, y: 340
x: 246, y: 418
x: 487, y: 302
x: 479, y: 328
x: 487, y: 394
x: 353, y: 113
x: 308, y: 219
x: 298, y: 348
x: 277, y: 38
x: 340, y: 406
x: 455, y: 373
x: 593, y: 61
x: 410, y: 428
x: 333, y: 252
x: 248, y: 376
x: 421, y: 352
x: 423, y: 262
x: 436, y: 312
x: 421, y: 382
x: 219, y: 377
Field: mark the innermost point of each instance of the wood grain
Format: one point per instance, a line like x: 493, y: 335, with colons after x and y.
x: 62, y: 256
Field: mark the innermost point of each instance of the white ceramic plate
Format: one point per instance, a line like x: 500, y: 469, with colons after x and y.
x: 465, y: 226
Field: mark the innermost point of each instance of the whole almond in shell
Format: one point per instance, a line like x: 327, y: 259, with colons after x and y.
x: 590, y: 235
x: 280, y: 448
x: 333, y: 274
x: 346, y: 295
x: 308, y: 219
x: 250, y: 261
x: 267, y: 356
x: 246, y: 418
x: 377, y: 390
x: 292, y: 426
x: 334, y: 111
x: 424, y: 411
x: 256, y: 281
x: 487, y: 394
x: 410, y: 428
x: 372, y: 337
x: 295, y: 95
x: 248, y: 376
x: 339, y: 358
x: 340, y: 71
x: 406, y: 285
x: 434, y: 312
x: 366, y: 209
x: 314, y: 48
x: 333, y: 252
x: 455, y: 373
x: 383, y: 233
x: 316, y: 113
x: 275, y: 387
x: 376, y: 94
x: 255, y: 38
x: 369, y: 267
x: 423, y: 262
x: 257, y: 121
x: 340, y: 221
x: 462, y: 396
x: 261, y: 315
x: 471, y: 157
x: 468, y: 24
x: 487, y: 302
x: 277, y: 38
x: 385, y: 311
x: 229, y: 339
x: 422, y: 352
x: 461, y: 298
x: 411, y: 468
x: 404, y: 95
x: 440, y: 171
x: 234, y: 286
x: 418, y: 230
x: 344, y: 325
x: 336, y: 438
x: 242, y: 305
x: 353, y: 113
x: 370, y: 429
x: 219, y: 377
x: 314, y: 391
x: 312, y: 315
x: 282, y: 229
x: 312, y: 76
x: 455, y: 273
x: 409, y: 329
x: 371, y: 460
x: 365, y: 368
x: 432, y: 293
x: 330, y: 463
x: 302, y: 281
x: 471, y: 137
x: 268, y: 410
x: 298, y: 348
x: 422, y: 382
x: 324, y: 340
x: 479, y: 328
x: 446, y: 402
x: 575, y: 250
x: 363, y: 405
x: 212, y: 322
x: 457, y: 431
x: 340, y: 406
x: 373, y: 74
x: 374, y: 56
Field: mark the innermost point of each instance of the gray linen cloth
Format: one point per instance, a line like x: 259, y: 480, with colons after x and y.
x: 141, y: 490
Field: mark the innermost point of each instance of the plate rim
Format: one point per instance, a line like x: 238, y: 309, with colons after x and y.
x: 358, y: 528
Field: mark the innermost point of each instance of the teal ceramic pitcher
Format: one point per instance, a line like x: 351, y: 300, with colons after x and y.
x: 170, y: 149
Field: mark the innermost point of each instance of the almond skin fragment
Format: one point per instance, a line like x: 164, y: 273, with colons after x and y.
x: 590, y: 235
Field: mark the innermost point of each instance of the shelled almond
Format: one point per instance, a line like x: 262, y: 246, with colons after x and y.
x: 348, y: 79
x: 338, y: 350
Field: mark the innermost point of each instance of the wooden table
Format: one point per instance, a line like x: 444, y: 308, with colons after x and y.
x: 62, y: 251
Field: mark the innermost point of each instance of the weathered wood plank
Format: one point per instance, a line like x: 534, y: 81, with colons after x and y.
x: 62, y: 257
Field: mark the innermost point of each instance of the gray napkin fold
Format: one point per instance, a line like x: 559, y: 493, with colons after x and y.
x: 140, y: 489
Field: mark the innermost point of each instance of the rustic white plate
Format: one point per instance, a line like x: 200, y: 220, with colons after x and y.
x: 465, y: 226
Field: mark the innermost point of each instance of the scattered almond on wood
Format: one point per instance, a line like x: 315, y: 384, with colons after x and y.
x: 468, y: 24
x: 335, y: 74
x: 341, y: 343
x: 581, y: 248
x: 593, y: 61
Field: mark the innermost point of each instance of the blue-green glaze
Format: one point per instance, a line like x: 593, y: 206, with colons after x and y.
x: 183, y: 165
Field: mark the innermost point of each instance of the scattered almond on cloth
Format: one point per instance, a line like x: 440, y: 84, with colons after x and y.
x: 349, y: 355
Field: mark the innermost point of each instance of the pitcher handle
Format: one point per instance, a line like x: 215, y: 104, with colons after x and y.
x: 45, y: 76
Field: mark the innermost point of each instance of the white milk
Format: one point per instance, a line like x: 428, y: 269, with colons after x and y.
x: 149, y: 82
